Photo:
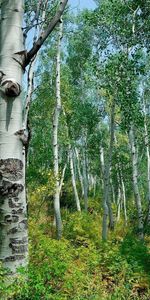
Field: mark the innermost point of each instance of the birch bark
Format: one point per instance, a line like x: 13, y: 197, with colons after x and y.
x: 148, y: 159
x: 74, y: 181
x: 121, y: 184
x: 124, y: 197
x: 85, y: 176
x: 57, y: 111
x: 13, y: 216
x: 107, y: 209
x: 118, y: 202
x: 135, y: 180
x: 79, y: 171
x: 101, y: 149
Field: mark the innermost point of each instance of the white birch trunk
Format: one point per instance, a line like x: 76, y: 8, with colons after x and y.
x: 118, y: 203
x: 60, y: 186
x: 62, y: 177
x: 85, y: 178
x: 74, y: 181
x: 55, y: 137
x: 13, y: 215
x: 107, y: 209
x: 148, y: 161
x: 94, y: 186
x: 79, y: 171
x: 102, y: 164
x: 121, y: 181
x: 124, y: 197
x: 85, y: 185
x: 135, y: 180
x: 105, y: 204
x: 112, y: 190
x: 72, y: 168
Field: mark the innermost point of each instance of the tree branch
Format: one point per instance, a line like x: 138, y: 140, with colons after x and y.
x: 46, y: 33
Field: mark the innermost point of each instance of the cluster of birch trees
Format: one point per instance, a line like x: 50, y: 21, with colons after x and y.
x: 14, y: 133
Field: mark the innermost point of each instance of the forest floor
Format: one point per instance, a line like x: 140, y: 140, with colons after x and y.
x: 81, y: 266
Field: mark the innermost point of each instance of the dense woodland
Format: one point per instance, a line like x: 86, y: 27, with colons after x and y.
x: 84, y: 139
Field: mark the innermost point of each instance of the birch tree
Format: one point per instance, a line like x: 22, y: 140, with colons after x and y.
x: 134, y: 156
x: 85, y: 176
x: 57, y: 111
x: 73, y: 179
x: 146, y: 137
x: 13, y: 61
x: 79, y: 170
x: 107, y: 209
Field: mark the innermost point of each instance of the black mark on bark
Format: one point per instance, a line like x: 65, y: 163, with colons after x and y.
x: 18, y: 211
x: 14, y: 258
x: 12, y: 89
x: 11, y: 219
x: 12, y: 230
x: 16, y: 241
x: 11, y: 169
x: 9, y: 188
x: 18, y: 249
x: 13, y: 202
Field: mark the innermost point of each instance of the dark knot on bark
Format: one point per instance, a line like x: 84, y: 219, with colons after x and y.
x: 12, y: 89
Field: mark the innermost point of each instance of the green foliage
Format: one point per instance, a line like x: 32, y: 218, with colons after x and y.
x: 81, y: 266
x: 81, y: 225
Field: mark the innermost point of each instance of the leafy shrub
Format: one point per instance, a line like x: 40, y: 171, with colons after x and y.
x: 81, y: 266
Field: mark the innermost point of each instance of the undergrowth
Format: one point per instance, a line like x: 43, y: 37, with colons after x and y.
x: 81, y: 266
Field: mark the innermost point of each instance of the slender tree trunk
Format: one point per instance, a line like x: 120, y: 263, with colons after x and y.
x: 85, y: 185
x: 112, y: 190
x: 94, y: 185
x: 102, y: 165
x: 32, y: 63
x: 55, y: 137
x: 107, y: 209
x: 13, y: 214
x: 118, y: 203
x: 72, y: 166
x: 85, y: 177
x: 62, y: 177
x: 74, y: 181
x: 124, y: 197
x: 105, y: 204
x: 75, y: 166
x: 148, y: 161
x: 79, y: 171
x: 135, y: 180
x: 121, y: 182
